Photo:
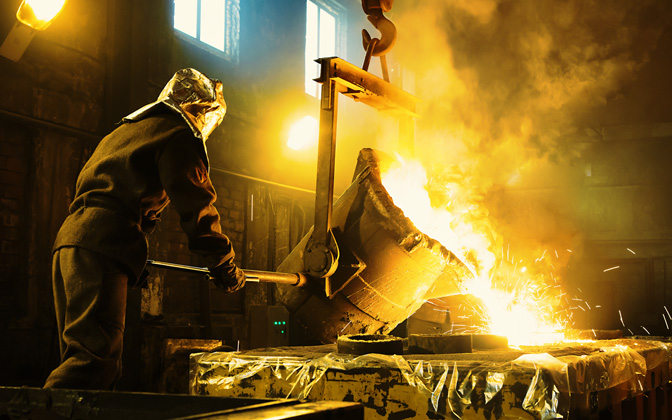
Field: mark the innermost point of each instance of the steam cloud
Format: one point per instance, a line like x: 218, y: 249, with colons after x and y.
x: 505, y: 84
x: 517, y: 74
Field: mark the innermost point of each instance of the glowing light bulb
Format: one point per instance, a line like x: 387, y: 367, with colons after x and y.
x: 38, y: 14
x: 32, y: 16
x: 303, y: 133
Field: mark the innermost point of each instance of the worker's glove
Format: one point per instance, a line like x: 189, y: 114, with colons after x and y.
x: 228, y: 277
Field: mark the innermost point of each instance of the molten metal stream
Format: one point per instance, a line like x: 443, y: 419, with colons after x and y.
x: 524, y: 313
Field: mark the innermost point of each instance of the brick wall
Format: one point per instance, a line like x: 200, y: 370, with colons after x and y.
x: 49, y: 117
x: 14, y: 153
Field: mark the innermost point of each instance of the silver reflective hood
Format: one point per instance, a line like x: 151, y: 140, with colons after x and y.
x: 197, y: 98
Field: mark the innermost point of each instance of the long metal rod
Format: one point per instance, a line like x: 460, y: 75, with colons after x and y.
x: 254, y: 276
x: 261, y: 181
x: 49, y: 125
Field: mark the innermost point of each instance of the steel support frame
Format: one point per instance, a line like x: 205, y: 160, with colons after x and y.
x: 339, y: 76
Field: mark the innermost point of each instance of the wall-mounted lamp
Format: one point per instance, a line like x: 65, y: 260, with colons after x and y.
x: 32, y: 16
x: 303, y: 134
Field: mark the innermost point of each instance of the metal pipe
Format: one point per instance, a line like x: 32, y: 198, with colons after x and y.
x: 49, y: 125
x: 292, y: 279
x: 254, y: 276
x: 262, y: 181
x: 179, y: 267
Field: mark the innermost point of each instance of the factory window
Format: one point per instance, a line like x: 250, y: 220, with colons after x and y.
x: 212, y: 24
x: 324, y: 29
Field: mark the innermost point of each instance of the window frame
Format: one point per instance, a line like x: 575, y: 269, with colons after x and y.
x: 196, y: 41
x: 337, y: 10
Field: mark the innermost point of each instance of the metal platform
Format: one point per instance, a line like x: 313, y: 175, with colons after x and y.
x: 608, y: 379
x: 53, y: 404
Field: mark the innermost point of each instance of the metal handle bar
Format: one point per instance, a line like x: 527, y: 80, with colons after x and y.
x: 255, y: 276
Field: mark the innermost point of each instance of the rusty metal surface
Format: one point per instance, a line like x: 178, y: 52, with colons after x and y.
x: 54, y: 404
x: 367, y: 88
x: 439, y: 343
x: 543, y: 382
x: 373, y: 343
x: 31, y: 403
x: 317, y: 410
x: 454, y: 343
x: 321, y: 253
x: 175, y: 361
x: 397, y: 265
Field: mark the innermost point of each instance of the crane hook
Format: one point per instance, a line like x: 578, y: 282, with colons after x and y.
x: 374, y: 10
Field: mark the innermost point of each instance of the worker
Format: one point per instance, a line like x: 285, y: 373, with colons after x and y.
x: 157, y: 154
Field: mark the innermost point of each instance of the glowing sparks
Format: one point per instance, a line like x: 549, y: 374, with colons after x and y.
x: 406, y: 184
x: 517, y: 319
x: 630, y: 250
x: 515, y: 300
x: 612, y: 268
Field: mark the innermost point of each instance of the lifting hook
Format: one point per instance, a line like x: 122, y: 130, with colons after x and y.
x: 378, y: 47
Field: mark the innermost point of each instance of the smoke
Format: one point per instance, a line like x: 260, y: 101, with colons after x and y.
x: 510, y: 78
x: 505, y: 85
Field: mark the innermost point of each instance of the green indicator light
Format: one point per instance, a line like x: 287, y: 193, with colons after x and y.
x: 282, y: 332
x: 283, y: 322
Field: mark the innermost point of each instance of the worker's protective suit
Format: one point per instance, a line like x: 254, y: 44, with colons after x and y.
x: 156, y: 155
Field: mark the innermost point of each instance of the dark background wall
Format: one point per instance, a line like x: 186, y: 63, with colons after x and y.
x: 102, y: 59
x: 98, y: 62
